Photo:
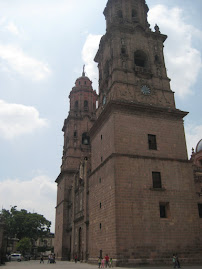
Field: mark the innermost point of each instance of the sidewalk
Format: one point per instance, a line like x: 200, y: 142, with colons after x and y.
x: 78, y: 265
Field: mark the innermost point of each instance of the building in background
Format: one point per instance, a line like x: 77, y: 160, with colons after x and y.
x: 196, y: 159
x: 126, y: 187
x: 3, y: 242
x: 12, y: 245
x: 44, y: 245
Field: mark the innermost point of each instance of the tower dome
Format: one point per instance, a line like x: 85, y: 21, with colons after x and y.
x: 83, y: 80
x: 83, y: 97
x: 199, y: 146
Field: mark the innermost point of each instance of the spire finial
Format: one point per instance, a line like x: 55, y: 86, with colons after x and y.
x: 83, y: 74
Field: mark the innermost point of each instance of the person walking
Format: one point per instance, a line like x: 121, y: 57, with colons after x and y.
x: 75, y: 258
x: 99, y: 262
x: 110, y: 263
x: 177, y: 261
x: 103, y: 263
x: 107, y: 260
x: 41, y: 260
x: 174, y: 261
x: 53, y: 258
x: 49, y: 258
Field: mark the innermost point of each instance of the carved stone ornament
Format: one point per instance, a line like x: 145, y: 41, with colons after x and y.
x: 163, y: 98
x: 198, y: 179
x: 157, y: 29
x: 124, y: 93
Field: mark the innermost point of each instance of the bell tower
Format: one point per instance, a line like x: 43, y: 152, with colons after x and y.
x: 130, y: 57
x: 76, y: 148
x: 140, y: 178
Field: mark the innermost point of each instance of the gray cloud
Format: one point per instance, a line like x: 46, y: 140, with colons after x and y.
x: 17, y: 119
x: 13, y: 59
x: 182, y: 59
x: 30, y: 195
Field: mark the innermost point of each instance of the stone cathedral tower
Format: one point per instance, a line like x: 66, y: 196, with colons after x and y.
x: 76, y: 148
x: 140, y: 195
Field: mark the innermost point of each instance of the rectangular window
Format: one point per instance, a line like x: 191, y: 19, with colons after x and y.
x: 152, y: 142
x: 164, y: 210
x: 156, y: 176
x: 200, y: 210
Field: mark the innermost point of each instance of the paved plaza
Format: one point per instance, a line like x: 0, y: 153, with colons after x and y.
x: 72, y: 265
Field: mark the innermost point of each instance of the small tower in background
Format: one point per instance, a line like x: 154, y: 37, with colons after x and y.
x: 76, y: 147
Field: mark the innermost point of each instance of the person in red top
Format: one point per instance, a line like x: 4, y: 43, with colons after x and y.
x: 75, y: 258
x: 107, y: 260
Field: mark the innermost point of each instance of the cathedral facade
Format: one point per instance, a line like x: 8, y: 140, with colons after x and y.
x: 126, y: 187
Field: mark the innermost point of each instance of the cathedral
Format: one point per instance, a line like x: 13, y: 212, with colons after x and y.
x: 126, y: 186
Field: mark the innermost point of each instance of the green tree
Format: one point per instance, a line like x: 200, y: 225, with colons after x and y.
x: 24, y: 245
x: 22, y: 224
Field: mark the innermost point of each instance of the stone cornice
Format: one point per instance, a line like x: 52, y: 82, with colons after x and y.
x: 81, y: 117
x: 84, y: 89
x: 64, y: 202
x: 65, y: 172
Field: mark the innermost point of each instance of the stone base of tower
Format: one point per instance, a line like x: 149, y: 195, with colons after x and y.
x: 189, y: 257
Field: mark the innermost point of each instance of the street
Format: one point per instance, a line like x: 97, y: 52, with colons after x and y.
x: 78, y: 265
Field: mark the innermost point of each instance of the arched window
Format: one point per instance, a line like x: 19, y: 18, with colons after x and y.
x: 76, y: 105
x: 80, y: 253
x: 157, y: 60
x: 199, y: 161
x: 94, y: 106
x: 123, y: 51
x: 85, y: 139
x: 104, y: 99
x: 75, y: 134
x: 106, y: 69
x: 67, y: 141
x: 140, y: 58
x: 85, y: 105
x: 120, y: 14
x: 134, y: 13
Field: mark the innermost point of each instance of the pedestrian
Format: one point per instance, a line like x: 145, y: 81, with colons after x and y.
x: 177, y: 261
x: 110, y: 263
x: 107, y: 260
x: 49, y: 258
x: 174, y: 261
x: 54, y: 258
x: 75, y: 258
x: 103, y: 263
x: 99, y: 262
x: 41, y: 260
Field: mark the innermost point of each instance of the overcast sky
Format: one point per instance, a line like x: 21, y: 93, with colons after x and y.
x: 43, y: 46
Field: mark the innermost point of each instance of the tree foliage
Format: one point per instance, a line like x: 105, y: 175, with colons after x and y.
x: 24, y: 245
x: 23, y: 224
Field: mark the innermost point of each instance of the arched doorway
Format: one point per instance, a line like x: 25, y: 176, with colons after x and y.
x: 80, y: 250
